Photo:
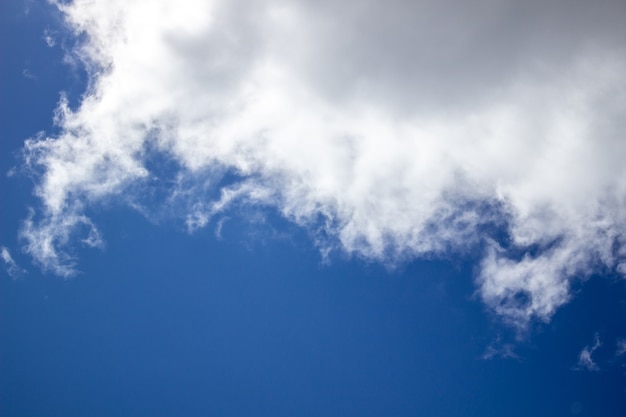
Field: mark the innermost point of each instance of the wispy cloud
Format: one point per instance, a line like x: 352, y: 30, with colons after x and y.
x: 28, y: 74
x: 12, y: 268
x: 218, y: 227
x: 45, y: 237
x: 585, y: 359
x: 621, y: 347
x: 392, y: 130
x: 498, y: 349
x: 49, y: 38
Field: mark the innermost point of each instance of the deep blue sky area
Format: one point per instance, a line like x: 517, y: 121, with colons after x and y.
x: 163, y: 323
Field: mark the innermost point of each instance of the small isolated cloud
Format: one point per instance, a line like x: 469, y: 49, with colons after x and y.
x: 621, y: 347
x: 12, y: 268
x: 27, y: 6
x: 391, y: 130
x: 497, y: 349
x: 49, y: 38
x: 219, y: 225
x: 585, y: 359
x: 28, y: 74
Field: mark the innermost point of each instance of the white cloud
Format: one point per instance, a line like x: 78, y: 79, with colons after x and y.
x: 45, y: 237
x: 12, y: 268
x: 621, y: 347
x: 498, y: 348
x: 50, y: 38
x: 585, y: 360
x: 28, y: 74
x: 392, y: 130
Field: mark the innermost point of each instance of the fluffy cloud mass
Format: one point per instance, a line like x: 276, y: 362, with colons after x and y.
x: 391, y: 130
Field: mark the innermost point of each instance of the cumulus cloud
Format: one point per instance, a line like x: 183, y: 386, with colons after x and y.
x: 391, y: 130
x: 585, y: 360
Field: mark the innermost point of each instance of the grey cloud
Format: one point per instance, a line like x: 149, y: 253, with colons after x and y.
x: 427, y: 55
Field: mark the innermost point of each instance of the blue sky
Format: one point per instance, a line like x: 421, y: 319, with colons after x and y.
x: 312, y: 208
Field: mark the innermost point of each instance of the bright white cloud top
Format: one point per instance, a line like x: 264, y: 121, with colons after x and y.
x: 392, y: 130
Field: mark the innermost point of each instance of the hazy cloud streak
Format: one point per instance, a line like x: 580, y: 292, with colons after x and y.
x: 585, y: 359
x: 12, y: 268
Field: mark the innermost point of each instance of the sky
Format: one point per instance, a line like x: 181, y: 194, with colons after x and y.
x: 356, y: 208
